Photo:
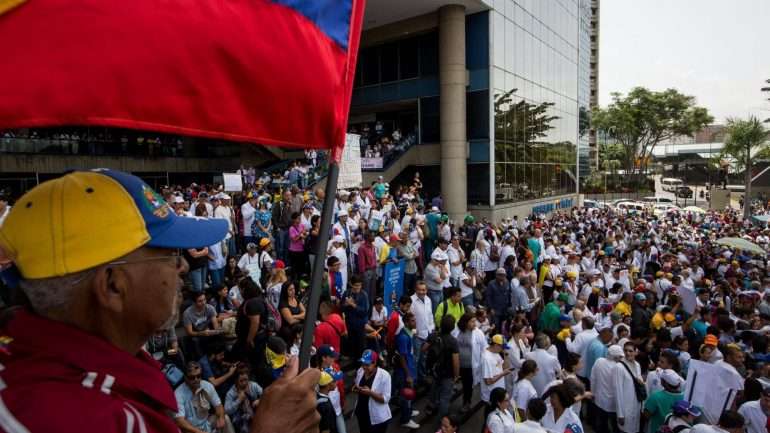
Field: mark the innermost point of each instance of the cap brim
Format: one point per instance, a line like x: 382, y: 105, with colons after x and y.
x: 190, y: 232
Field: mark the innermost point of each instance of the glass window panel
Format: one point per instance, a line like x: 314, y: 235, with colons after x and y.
x: 371, y: 65
x: 498, y: 39
x: 408, y: 59
x: 389, y: 62
x: 509, y: 44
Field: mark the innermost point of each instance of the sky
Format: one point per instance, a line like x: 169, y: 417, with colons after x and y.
x: 715, y: 50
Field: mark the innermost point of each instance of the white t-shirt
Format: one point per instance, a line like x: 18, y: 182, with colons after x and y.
x: 523, y: 392
x: 249, y: 213
x: 756, y: 420
x: 528, y: 427
x: 491, y: 366
x: 379, y: 317
x: 500, y: 422
x: 567, y: 418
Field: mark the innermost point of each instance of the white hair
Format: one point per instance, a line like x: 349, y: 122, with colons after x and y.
x: 53, y: 294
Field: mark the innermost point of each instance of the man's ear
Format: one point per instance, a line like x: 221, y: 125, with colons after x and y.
x: 110, y: 288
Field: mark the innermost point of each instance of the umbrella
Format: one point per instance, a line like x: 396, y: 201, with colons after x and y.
x: 694, y: 209
x: 742, y: 244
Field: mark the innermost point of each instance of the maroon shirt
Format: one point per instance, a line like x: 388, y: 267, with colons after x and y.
x: 57, y: 378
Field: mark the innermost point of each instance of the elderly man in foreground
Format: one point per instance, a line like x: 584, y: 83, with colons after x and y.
x: 98, y: 253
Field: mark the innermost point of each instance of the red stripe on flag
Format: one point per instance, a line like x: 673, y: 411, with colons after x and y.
x: 244, y: 70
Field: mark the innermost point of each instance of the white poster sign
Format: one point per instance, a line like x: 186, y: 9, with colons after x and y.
x: 371, y: 163
x: 350, y: 165
x: 232, y: 182
x: 711, y: 387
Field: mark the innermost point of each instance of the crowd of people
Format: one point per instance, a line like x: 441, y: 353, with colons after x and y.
x: 582, y: 316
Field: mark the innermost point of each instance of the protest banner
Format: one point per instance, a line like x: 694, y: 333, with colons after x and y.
x: 393, y: 280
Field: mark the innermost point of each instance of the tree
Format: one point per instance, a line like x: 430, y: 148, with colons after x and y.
x: 744, y: 139
x: 644, y: 118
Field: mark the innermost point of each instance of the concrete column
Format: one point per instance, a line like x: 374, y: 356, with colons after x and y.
x: 452, y: 75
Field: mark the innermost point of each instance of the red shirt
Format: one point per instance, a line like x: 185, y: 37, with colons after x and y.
x: 366, y: 257
x: 57, y: 378
x: 329, y: 332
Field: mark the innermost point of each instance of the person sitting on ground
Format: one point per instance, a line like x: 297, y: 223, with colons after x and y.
x: 242, y: 400
x: 196, y: 399
x: 214, y: 368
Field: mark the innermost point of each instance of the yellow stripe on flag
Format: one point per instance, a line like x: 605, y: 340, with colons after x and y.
x: 6, y: 5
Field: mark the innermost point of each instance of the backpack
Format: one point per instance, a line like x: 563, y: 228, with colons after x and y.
x: 433, y: 358
x: 273, y: 322
x: 494, y: 254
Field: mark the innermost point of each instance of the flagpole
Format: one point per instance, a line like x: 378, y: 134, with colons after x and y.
x: 319, y: 264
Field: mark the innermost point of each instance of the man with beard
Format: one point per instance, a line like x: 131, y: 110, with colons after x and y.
x: 98, y: 254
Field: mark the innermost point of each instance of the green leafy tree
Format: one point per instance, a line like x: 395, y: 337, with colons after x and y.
x: 744, y: 140
x: 644, y: 118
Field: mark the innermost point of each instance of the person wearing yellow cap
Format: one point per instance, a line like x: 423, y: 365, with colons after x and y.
x: 328, y: 422
x: 90, y: 249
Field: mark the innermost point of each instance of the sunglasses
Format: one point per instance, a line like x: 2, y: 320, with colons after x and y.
x: 193, y: 376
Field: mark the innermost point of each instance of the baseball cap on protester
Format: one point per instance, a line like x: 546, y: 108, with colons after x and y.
x: 87, y: 218
x: 670, y: 377
x: 325, y: 379
x: 498, y: 339
x: 369, y: 357
x: 684, y: 407
x: 327, y: 350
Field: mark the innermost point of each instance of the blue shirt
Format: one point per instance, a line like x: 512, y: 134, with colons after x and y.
x: 190, y: 407
x: 404, y: 348
x: 596, y: 349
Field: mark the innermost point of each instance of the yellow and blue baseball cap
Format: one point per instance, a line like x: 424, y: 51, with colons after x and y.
x: 87, y: 218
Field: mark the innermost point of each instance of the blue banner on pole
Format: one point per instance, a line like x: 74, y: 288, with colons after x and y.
x: 393, y: 277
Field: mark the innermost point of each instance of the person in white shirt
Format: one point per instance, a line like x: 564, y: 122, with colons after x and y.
x: 423, y: 314
x: 372, y: 382
x: 536, y: 410
x: 250, y: 260
x: 517, y: 352
x: 549, y: 367
x: 666, y: 361
x: 456, y: 259
x: 249, y: 212
x: 559, y: 418
x: 729, y: 422
x: 493, y: 373
x: 580, y: 344
x: 603, y: 389
x: 524, y: 391
x: 500, y: 419
x: 626, y: 373
x: 755, y: 413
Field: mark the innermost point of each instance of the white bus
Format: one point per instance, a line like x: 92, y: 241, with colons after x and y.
x: 670, y: 184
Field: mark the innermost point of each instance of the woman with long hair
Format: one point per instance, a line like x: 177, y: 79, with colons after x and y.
x: 291, y: 309
x: 500, y: 420
x: 524, y: 391
x: 275, y: 283
x: 559, y: 415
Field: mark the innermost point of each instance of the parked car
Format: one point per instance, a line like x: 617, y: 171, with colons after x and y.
x: 630, y: 207
x: 684, y: 192
x: 657, y: 200
x: 664, y: 208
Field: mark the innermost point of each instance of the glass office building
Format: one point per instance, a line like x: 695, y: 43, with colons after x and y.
x: 527, y: 92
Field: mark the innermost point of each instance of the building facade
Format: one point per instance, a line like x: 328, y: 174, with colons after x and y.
x: 500, y: 89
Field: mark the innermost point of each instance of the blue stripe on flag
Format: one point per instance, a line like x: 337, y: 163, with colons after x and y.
x: 331, y: 16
